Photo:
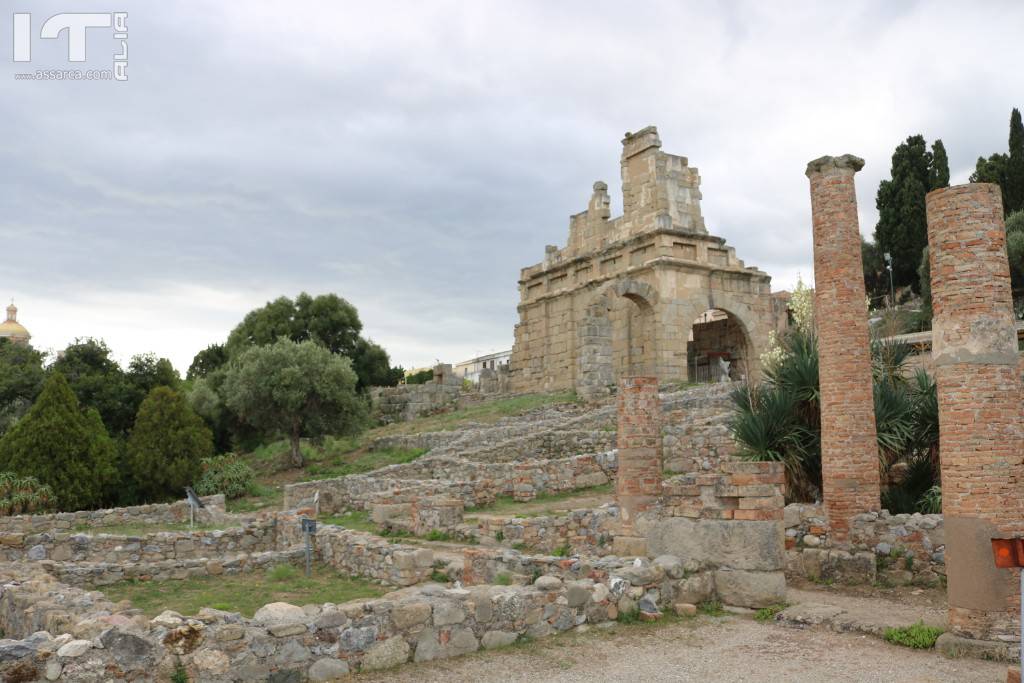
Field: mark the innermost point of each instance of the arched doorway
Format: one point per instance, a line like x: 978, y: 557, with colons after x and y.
x: 617, y: 337
x: 718, y: 344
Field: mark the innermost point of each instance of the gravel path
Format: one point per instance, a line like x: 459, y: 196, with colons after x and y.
x: 704, y: 649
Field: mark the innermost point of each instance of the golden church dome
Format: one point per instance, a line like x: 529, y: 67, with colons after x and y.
x: 12, y: 329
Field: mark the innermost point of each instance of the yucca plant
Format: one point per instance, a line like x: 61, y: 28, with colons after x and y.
x: 24, y: 495
x: 780, y: 420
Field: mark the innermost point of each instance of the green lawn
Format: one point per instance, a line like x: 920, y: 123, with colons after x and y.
x: 244, y: 593
x: 143, y: 529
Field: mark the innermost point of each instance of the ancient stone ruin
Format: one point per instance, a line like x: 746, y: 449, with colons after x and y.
x: 647, y: 293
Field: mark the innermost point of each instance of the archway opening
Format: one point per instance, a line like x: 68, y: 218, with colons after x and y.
x: 718, y: 348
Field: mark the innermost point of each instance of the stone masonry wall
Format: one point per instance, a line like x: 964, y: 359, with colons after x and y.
x: 409, y: 401
x: 883, y: 548
x: 474, y: 483
x: 157, y: 513
x: 849, y: 453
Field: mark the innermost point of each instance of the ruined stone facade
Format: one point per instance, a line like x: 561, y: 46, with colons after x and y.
x: 981, y: 434
x: 622, y: 297
x: 849, y: 452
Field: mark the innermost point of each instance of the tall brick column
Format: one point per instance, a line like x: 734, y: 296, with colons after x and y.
x: 981, y: 435
x: 849, y: 451
x: 638, y: 483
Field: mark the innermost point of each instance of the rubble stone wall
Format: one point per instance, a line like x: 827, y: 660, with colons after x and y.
x: 156, y: 513
x: 153, y: 547
x: 889, y: 549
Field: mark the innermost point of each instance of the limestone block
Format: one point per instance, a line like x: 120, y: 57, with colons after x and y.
x: 748, y: 545
x: 750, y: 589
x: 279, y: 613
x: 327, y: 669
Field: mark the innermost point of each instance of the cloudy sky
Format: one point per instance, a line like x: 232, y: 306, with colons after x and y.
x: 412, y: 157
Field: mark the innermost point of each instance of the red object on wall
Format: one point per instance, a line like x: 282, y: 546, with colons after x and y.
x: 1008, y: 552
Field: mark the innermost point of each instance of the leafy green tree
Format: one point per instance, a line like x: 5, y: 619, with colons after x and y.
x: 326, y: 319
x: 938, y: 171
x: 421, y: 377
x: 99, y: 382
x: 212, y: 358
x: 167, y: 445
x: 1013, y: 190
x: 21, y: 379
x: 924, y: 276
x: 373, y: 367
x: 63, y: 447
x: 1015, y: 252
x: 299, y: 389
x: 902, y: 228
x: 146, y: 372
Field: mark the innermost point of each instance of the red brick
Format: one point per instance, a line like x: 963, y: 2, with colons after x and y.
x: 849, y: 452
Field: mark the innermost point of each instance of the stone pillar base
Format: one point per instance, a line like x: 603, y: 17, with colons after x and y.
x: 629, y: 546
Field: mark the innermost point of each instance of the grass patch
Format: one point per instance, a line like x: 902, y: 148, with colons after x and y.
x: 244, y: 593
x: 262, y: 497
x: 438, y: 576
x: 917, y: 636
x: 437, y: 535
x: 711, y: 608
x: 503, y: 579
x: 336, y: 462
x: 143, y: 529
x: 562, y: 551
x: 485, y: 413
x: 357, y: 520
x: 766, y: 614
x: 629, y: 616
x: 507, y: 505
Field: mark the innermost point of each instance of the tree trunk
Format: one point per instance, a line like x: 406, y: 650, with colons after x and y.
x: 297, y: 460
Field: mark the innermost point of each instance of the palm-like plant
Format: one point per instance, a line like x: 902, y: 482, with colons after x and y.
x: 21, y: 495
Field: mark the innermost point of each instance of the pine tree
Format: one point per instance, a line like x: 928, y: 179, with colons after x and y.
x: 938, y: 172
x: 63, y: 447
x: 167, y: 445
x: 1013, y: 190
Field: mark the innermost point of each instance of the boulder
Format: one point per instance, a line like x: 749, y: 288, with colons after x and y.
x: 279, y: 613
x: 386, y: 654
x: 327, y: 669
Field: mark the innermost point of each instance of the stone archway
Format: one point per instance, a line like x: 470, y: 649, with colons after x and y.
x: 716, y: 337
x: 616, y: 337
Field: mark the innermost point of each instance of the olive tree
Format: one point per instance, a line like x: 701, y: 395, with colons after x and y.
x: 299, y: 389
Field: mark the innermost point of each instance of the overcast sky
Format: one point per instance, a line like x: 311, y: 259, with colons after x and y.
x: 413, y: 157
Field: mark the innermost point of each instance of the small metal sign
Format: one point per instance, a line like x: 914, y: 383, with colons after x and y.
x: 308, y: 526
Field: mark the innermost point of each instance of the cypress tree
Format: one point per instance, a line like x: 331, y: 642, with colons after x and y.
x: 63, y: 447
x: 902, y: 228
x: 1013, y: 190
x: 167, y: 445
x: 938, y: 173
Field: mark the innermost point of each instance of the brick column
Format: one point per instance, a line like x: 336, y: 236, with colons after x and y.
x: 981, y: 435
x: 849, y: 451
x: 638, y: 483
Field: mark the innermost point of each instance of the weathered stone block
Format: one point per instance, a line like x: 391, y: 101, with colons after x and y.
x: 750, y: 589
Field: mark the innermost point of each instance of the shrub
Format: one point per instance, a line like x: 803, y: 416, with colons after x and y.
x: 225, y: 474
x: 24, y: 495
x: 438, y: 576
x: 438, y: 535
x: 766, y: 614
x: 562, y: 551
x: 917, y: 636
x: 167, y: 445
x: 63, y: 447
x: 503, y: 579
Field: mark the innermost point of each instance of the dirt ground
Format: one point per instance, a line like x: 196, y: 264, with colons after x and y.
x: 705, y: 650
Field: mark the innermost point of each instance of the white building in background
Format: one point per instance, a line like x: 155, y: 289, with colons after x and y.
x: 470, y: 369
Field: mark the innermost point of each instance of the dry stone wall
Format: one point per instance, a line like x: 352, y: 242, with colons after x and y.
x: 157, y: 513
x: 883, y: 548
